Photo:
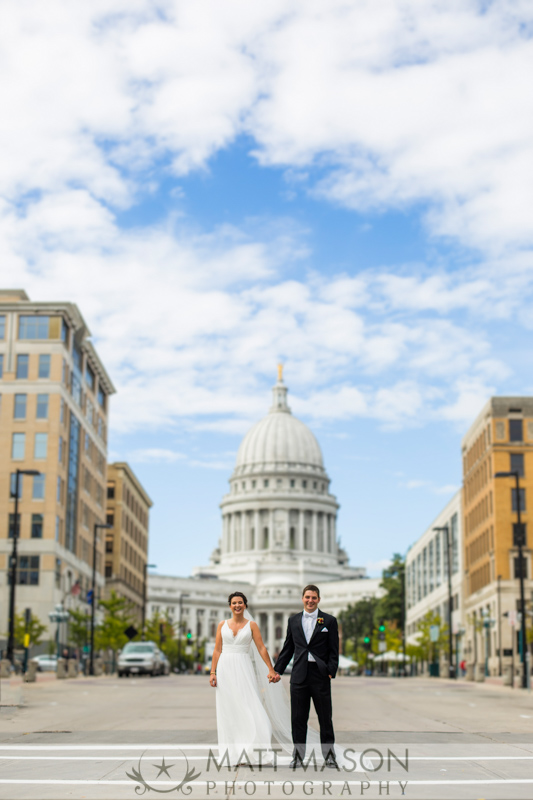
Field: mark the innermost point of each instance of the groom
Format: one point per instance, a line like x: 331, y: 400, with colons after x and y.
x: 313, y: 639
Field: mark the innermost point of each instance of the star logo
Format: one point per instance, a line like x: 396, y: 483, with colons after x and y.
x: 144, y: 786
x: 163, y: 768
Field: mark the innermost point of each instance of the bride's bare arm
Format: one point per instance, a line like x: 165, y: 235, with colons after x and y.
x: 263, y: 652
x: 216, y: 655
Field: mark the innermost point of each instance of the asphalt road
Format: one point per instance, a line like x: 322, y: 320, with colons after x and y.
x: 414, y: 738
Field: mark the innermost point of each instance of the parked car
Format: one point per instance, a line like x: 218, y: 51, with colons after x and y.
x: 45, y: 663
x: 140, y: 658
x: 165, y: 665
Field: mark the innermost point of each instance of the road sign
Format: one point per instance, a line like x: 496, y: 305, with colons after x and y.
x: 434, y: 632
x: 382, y: 646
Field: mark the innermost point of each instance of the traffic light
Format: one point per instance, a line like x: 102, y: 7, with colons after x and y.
x: 189, y: 635
x: 366, y: 642
x: 381, y: 631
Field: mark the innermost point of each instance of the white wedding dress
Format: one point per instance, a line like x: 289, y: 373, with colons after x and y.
x: 242, y: 721
x: 250, y: 710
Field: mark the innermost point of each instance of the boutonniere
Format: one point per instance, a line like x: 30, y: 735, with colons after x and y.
x: 320, y: 620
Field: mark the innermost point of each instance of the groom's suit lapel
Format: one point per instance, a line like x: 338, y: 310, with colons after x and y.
x: 298, y: 618
x: 317, y: 626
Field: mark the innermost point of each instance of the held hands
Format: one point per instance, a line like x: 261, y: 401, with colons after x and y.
x: 273, y: 676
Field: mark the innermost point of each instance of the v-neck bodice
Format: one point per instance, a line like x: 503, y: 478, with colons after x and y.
x: 236, y: 643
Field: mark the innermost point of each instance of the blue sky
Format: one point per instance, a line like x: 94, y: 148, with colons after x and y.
x: 341, y: 187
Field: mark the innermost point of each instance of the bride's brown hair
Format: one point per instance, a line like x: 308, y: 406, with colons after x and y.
x: 237, y: 594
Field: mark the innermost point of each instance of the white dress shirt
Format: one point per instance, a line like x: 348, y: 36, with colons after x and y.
x: 308, y: 624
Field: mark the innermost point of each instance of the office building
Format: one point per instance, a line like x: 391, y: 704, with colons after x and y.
x: 128, y: 508
x: 54, y: 404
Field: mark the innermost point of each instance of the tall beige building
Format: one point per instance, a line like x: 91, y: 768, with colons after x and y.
x: 54, y: 394
x: 500, y: 440
x: 128, y: 507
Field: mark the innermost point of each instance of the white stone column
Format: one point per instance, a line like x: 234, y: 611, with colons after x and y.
x: 271, y: 529
x: 257, y: 534
x: 228, y: 533
x: 314, y: 532
x: 301, y: 522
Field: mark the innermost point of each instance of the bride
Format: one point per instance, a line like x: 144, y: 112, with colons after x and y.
x: 244, y: 726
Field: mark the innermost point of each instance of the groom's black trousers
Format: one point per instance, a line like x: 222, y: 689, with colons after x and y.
x: 318, y: 689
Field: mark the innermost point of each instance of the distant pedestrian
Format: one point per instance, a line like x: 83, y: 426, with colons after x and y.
x: 462, y: 667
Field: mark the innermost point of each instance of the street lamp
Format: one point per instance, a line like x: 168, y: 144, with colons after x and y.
x: 487, y: 624
x: 499, y: 625
x: 182, y: 598
x: 145, y: 569
x: 13, y: 563
x: 520, y: 543
x: 104, y: 526
x: 451, y: 667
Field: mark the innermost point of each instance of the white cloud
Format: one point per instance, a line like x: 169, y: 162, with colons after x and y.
x: 373, y: 105
x: 387, y: 103
x: 155, y: 455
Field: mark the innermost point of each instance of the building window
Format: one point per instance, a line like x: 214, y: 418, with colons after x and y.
x: 111, y: 491
x: 18, y: 446
x: 41, y: 445
x: 517, y: 567
x: 519, y: 532
x: 13, y: 485
x: 293, y: 483
x: 516, y: 430
x: 1, y: 366
x: 2, y: 327
x: 11, y: 526
x: 89, y: 377
x: 60, y: 450
x: 64, y: 332
x: 38, y: 487
x: 265, y: 483
x: 62, y: 412
x: 265, y: 538
x: 304, y: 484
x: 517, y: 463
x: 42, y: 406
x: 72, y: 484
x: 292, y: 538
x: 19, y: 409
x: 36, y: 526
x: 109, y: 570
x: 101, y: 397
x: 279, y: 483
x: 35, y: 327
x: 44, y: 365
x: 110, y: 519
x: 22, y: 367
x: 254, y: 484
x: 109, y: 545
x: 522, y: 498
x: 306, y: 539
x: 27, y: 571
x: 314, y: 484
x: 58, y: 573
x: 58, y: 488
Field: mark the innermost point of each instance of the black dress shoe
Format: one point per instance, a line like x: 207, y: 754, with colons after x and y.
x: 296, y: 762
x: 331, y: 761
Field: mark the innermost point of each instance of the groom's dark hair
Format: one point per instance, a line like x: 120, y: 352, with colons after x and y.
x: 311, y: 588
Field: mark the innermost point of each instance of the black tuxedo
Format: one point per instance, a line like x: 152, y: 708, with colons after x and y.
x: 310, y: 680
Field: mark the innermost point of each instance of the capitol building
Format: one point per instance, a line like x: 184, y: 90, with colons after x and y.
x: 279, y: 533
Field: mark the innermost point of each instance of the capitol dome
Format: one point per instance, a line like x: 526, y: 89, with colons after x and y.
x: 279, y: 441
